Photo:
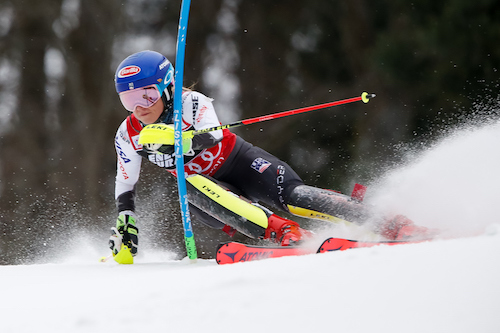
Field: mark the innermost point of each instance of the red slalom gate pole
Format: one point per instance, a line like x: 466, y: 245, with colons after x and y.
x: 365, y: 97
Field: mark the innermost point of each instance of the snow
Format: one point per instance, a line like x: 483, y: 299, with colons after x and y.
x: 440, y: 286
x: 447, y: 285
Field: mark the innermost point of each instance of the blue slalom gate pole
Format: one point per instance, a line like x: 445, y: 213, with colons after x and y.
x: 179, y: 157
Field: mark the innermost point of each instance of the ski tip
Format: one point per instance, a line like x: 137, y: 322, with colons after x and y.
x: 365, y: 97
x: 220, y: 246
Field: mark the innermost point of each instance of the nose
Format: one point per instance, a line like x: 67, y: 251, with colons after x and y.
x: 140, y: 108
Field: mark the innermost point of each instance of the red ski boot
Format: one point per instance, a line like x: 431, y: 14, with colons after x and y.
x: 284, y: 231
x: 402, y: 228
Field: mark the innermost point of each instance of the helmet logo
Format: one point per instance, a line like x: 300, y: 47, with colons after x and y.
x: 169, y: 76
x: 163, y: 64
x: 129, y: 71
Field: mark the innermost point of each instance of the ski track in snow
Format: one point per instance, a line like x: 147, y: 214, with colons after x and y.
x: 440, y: 286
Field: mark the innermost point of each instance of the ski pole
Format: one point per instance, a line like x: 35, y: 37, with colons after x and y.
x: 153, y: 133
x: 365, y: 97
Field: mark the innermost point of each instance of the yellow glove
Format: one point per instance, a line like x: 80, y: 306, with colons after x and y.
x: 154, y: 136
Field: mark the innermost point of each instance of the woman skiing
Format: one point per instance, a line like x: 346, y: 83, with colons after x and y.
x: 144, y: 83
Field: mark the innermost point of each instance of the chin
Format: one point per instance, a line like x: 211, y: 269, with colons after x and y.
x: 146, y: 121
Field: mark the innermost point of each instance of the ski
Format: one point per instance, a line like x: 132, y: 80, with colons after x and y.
x: 233, y: 252
x: 342, y: 244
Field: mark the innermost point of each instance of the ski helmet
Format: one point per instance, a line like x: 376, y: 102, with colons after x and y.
x: 146, y: 69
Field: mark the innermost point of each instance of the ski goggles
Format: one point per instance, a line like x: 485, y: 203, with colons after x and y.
x: 144, y: 96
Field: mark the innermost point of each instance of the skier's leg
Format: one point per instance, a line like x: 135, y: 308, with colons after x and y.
x: 312, y: 202
x: 250, y: 219
x: 262, y: 177
x: 205, y: 218
x: 211, y: 221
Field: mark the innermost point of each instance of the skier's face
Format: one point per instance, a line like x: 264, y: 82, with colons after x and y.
x: 148, y: 115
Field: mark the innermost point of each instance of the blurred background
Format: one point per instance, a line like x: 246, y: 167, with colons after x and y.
x: 432, y: 64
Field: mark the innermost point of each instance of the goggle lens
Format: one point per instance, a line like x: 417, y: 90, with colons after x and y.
x: 145, y: 97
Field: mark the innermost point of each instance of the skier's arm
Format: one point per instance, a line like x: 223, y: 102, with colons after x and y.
x: 128, y: 168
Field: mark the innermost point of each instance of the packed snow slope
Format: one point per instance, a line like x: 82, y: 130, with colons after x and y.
x: 447, y: 285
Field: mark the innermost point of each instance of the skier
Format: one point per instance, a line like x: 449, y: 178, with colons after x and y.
x: 144, y: 82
